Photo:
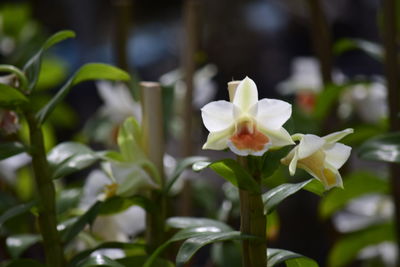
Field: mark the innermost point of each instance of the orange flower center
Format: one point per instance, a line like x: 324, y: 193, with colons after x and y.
x: 248, y: 137
x: 306, y: 101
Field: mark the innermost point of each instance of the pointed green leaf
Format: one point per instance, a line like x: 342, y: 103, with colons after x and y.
x: 384, y: 148
x: 273, y: 197
x: 356, y: 184
x: 347, y: 248
x: 87, y: 218
x: 69, y: 157
x: 231, y: 171
x: 90, y: 71
x: 118, y: 204
x: 347, y: 44
x: 32, y: 67
x: 129, y: 140
x: 68, y: 199
x: 180, y: 167
x: 11, y: 97
x: 192, y: 222
x: 10, y: 149
x: 15, y: 211
x: 291, y: 259
x: 99, y: 260
x: 17, y: 244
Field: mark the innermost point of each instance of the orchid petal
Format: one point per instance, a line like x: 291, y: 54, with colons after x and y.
x: 246, y: 95
x: 334, y: 137
x: 279, y: 138
x: 246, y: 152
x: 309, y: 144
x: 272, y: 113
x: 218, y: 140
x: 337, y: 154
x: 293, y: 162
x: 218, y: 115
x: 331, y: 178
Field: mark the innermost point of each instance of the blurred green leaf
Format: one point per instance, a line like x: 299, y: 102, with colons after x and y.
x: 316, y: 187
x: 90, y: 71
x: 99, y: 260
x: 53, y: 71
x: 87, y: 218
x: 231, y: 171
x: 10, y: 149
x: 15, y: 211
x: 274, y: 196
x: 347, y: 248
x: 364, y: 132
x: 140, y: 260
x: 69, y: 157
x: 11, y: 97
x: 33, y: 66
x: 68, y: 199
x: 118, y: 204
x: 326, y: 100
x: 384, y: 148
x: 193, y: 244
x: 291, y: 259
x: 129, y: 140
x: 355, y: 185
x: 347, y: 44
x: 25, y: 263
x: 192, y: 222
x: 180, y: 167
x: 115, y: 245
x: 17, y: 244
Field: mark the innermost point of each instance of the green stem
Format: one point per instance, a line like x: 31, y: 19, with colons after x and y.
x: 46, y: 195
x: 390, y: 37
x: 252, y: 222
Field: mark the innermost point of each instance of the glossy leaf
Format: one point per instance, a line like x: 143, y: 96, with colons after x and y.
x: 180, y: 167
x: 11, y: 97
x: 69, y: 157
x: 17, y: 244
x: 356, y: 184
x: 32, y: 67
x: 99, y: 260
x: 231, y: 171
x: 90, y: 71
x: 10, y: 149
x: 107, y: 245
x: 316, y: 187
x: 192, y: 222
x: 68, y: 199
x: 25, y: 263
x: 291, y: 259
x: 273, y: 197
x: 384, y: 148
x: 348, y: 44
x: 193, y: 244
x: 347, y: 248
x: 272, y: 160
x: 15, y: 211
x: 87, y: 218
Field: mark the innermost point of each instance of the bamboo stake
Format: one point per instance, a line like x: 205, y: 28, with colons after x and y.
x: 390, y: 37
x: 153, y: 143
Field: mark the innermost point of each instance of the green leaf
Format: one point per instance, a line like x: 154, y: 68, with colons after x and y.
x: 115, y: 245
x: 90, y: 71
x: 99, y: 260
x: 193, y: 244
x: 87, y: 218
x: 129, y: 140
x: 33, y: 66
x: 24, y: 263
x: 272, y: 160
x: 273, y: 197
x: 316, y: 187
x: 291, y: 259
x: 68, y: 199
x: 10, y: 149
x: 231, y: 171
x: 11, y: 97
x: 192, y: 222
x: 118, y: 204
x: 384, y: 148
x: 327, y: 100
x: 347, y: 248
x: 15, y: 211
x: 69, y: 157
x: 347, y: 44
x: 356, y: 184
x: 139, y: 260
x: 180, y: 167
x: 17, y: 244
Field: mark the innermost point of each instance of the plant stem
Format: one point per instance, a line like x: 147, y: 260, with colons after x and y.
x: 46, y: 194
x: 390, y: 37
x: 122, y: 16
x: 252, y: 222
x: 153, y: 143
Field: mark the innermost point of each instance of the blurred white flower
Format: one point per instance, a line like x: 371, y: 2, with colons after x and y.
x: 368, y: 101
x: 10, y: 166
x: 386, y: 251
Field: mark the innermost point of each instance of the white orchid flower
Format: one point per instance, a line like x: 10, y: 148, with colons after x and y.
x: 245, y: 125
x: 320, y: 156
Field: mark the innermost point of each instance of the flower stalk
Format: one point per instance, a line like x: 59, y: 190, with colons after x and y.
x: 153, y: 143
x: 46, y: 195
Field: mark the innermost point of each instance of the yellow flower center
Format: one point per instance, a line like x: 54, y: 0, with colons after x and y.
x: 110, y: 190
x: 248, y: 137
